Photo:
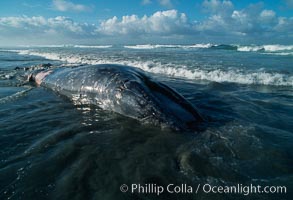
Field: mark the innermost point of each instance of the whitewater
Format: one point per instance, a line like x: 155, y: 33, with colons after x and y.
x: 191, y: 69
x: 53, y: 147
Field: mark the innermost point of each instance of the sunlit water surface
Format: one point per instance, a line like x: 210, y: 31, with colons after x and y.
x: 54, y: 149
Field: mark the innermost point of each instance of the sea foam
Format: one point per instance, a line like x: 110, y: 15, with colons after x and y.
x: 269, y: 48
x: 155, y: 46
x: 93, y: 47
x: 175, y: 70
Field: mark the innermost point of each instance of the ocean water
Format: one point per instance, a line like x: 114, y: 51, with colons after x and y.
x: 52, y: 148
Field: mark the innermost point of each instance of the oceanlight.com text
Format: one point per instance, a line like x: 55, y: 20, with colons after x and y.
x: 244, y: 189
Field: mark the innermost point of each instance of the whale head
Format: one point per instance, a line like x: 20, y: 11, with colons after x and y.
x: 152, y: 102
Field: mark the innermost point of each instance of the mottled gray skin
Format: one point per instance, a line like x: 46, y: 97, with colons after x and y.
x: 125, y: 90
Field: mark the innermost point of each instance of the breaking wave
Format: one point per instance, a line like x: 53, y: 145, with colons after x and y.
x: 280, y: 53
x: 268, y: 48
x: 274, y: 49
x: 67, y: 46
x: 93, y: 47
x: 174, y: 70
x: 155, y: 46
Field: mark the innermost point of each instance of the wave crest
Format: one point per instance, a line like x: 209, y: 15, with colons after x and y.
x: 156, y: 46
x: 269, y: 48
x: 93, y: 47
x: 169, y: 69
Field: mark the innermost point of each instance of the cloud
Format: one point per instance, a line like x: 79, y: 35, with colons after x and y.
x: 223, y: 24
x: 252, y: 23
x: 146, y: 2
x: 217, y: 6
x: 166, y: 3
x: 39, y: 29
x: 41, y: 24
x: 63, y: 5
x: 31, y: 5
x: 164, y: 23
x: 267, y: 16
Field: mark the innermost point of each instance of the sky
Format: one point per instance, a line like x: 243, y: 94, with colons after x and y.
x: 100, y: 22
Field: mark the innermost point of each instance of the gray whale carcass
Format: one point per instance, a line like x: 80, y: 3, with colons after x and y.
x: 125, y: 90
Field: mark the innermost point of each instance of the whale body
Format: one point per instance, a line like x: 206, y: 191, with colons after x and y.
x: 125, y: 90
